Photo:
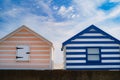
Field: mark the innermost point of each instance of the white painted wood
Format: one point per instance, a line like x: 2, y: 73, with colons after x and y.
x: 76, y: 61
x: 110, y: 50
x: 76, y: 50
x: 7, y: 51
x: 110, y: 55
x: 92, y: 40
x: 75, y: 56
x: 7, y: 54
x: 91, y: 45
x: 92, y: 34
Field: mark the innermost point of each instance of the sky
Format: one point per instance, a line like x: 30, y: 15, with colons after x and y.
x: 58, y: 20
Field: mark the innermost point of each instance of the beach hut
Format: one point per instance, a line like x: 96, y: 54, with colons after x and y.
x: 92, y: 49
x: 25, y: 49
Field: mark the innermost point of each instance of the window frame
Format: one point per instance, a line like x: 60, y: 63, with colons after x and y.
x: 93, y: 61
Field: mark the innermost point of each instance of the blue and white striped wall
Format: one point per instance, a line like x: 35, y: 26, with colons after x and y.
x: 75, y: 50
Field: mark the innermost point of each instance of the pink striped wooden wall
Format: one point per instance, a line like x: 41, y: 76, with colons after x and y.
x: 40, y: 51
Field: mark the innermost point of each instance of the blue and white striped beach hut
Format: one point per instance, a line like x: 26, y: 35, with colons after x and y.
x: 92, y: 49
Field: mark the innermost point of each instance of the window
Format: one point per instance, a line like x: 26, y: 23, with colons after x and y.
x: 23, y: 53
x: 93, y: 54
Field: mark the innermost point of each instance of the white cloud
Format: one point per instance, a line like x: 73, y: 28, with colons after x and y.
x: 14, y: 12
x: 114, y: 0
x: 67, y: 12
x: 45, y: 7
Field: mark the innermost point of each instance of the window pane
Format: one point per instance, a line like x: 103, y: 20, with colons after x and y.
x: 93, y: 57
x: 93, y: 50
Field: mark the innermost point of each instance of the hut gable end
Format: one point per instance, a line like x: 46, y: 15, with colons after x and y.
x: 25, y: 34
x: 90, y: 35
x: 91, y: 49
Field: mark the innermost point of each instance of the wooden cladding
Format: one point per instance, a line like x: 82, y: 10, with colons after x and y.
x: 39, y: 51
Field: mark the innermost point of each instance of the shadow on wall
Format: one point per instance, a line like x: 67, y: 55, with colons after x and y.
x: 58, y: 75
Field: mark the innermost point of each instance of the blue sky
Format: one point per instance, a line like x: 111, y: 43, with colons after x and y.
x: 60, y: 18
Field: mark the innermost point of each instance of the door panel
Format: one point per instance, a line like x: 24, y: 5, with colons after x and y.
x: 22, y: 53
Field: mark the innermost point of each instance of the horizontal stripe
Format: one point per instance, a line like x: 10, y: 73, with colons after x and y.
x: 31, y: 50
x: 92, y: 40
x: 34, y: 46
x: 7, y: 57
x: 37, y: 57
x: 23, y: 33
x: 23, y: 37
x: 14, y: 44
x: 30, y: 59
x: 95, y: 66
x: 40, y: 50
x: 108, y: 69
x: 93, y: 37
x: 92, y: 34
x: 75, y: 50
x: 91, y: 45
x: 110, y: 55
x: 24, y: 64
x: 7, y: 50
x: 111, y: 61
x: 7, y: 54
x: 76, y: 61
x: 78, y: 58
x: 39, y: 54
x: 110, y: 50
x: 1, y: 53
x: 75, y: 56
x: 75, y: 53
x: 79, y: 64
x: 110, y: 58
x: 112, y: 47
x: 27, y: 41
x: 14, y: 68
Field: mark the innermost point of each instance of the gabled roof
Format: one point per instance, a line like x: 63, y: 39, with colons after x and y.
x: 87, y: 30
x: 26, y: 28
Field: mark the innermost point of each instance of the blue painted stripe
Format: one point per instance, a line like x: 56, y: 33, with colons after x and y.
x: 92, y: 68
x: 75, y: 47
x: 88, y: 64
x: 93, y: 32
x: 112, y: 47
x: 78, y: 58
x: 75, y: 53
x: 110, y: 58
x: 110, y: 52
x: 93, y: 42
